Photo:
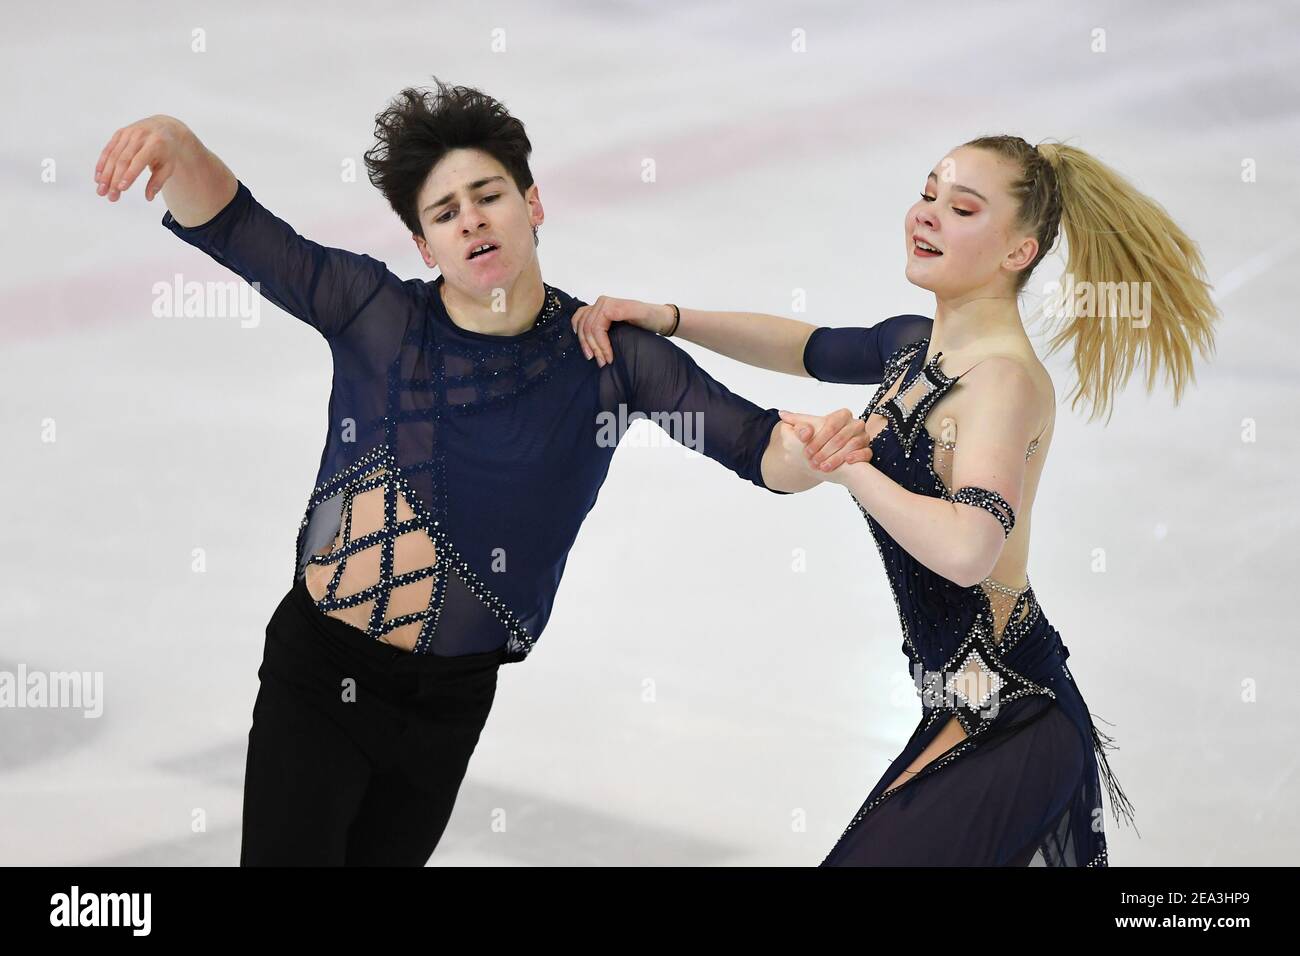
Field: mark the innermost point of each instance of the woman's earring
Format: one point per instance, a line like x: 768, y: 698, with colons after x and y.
x: 536, y: 241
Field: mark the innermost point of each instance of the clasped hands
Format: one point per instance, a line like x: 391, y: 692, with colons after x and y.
x: 825, y: 444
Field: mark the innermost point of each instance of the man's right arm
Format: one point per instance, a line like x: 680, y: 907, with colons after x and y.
x: 201, y: 186
x: 195, y: 183
x: 209, y: 208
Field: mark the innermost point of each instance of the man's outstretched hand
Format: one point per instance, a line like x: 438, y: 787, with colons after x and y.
x: 157, y: 142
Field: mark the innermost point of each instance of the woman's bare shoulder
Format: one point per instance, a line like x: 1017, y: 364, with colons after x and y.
x: 1035, y: 381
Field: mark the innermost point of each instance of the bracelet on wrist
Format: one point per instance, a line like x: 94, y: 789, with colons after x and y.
x: 676, y: 321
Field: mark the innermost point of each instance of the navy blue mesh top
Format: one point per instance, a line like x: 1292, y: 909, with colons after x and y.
x: 458, y: 465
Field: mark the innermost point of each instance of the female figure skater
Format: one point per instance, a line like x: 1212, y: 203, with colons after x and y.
x: 467, y: 440
x: 1005, y: 767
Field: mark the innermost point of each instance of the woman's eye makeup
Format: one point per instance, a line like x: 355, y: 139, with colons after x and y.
x: 960, y: 212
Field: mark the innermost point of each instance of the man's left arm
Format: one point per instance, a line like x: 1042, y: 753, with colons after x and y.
x: 664, y: 383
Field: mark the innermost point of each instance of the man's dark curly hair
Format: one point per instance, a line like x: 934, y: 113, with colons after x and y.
x: 420, y: 126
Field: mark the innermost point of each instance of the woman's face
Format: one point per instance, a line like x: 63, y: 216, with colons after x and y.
x: 468, y: 200
x: 966, y: 212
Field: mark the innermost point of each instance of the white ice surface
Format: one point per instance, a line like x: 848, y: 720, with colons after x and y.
x: 776, y: 692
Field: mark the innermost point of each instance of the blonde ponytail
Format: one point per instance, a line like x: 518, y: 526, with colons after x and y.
x: 1119, y: 242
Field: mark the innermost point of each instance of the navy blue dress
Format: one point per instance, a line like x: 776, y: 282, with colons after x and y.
x: 1024, y: 787
x: 492, y: 447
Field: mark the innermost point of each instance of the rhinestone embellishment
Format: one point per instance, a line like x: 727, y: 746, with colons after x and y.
x: 908, y: 422
x: 462, y: 379
x: 976, y: 673
x: 352, y: 482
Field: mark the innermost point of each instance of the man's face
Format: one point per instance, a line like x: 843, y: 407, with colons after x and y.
x: 467, y: 201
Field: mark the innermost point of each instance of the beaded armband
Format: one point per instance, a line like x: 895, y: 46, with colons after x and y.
x: 990, y: 501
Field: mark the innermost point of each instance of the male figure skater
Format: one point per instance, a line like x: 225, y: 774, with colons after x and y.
x: 469, y: 436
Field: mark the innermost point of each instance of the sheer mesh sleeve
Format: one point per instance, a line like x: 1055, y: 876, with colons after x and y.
x: 322, y: 286
x: 661, y: 381
x: 857, y: 356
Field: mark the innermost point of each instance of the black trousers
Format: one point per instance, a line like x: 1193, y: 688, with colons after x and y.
x: 358, y: 748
